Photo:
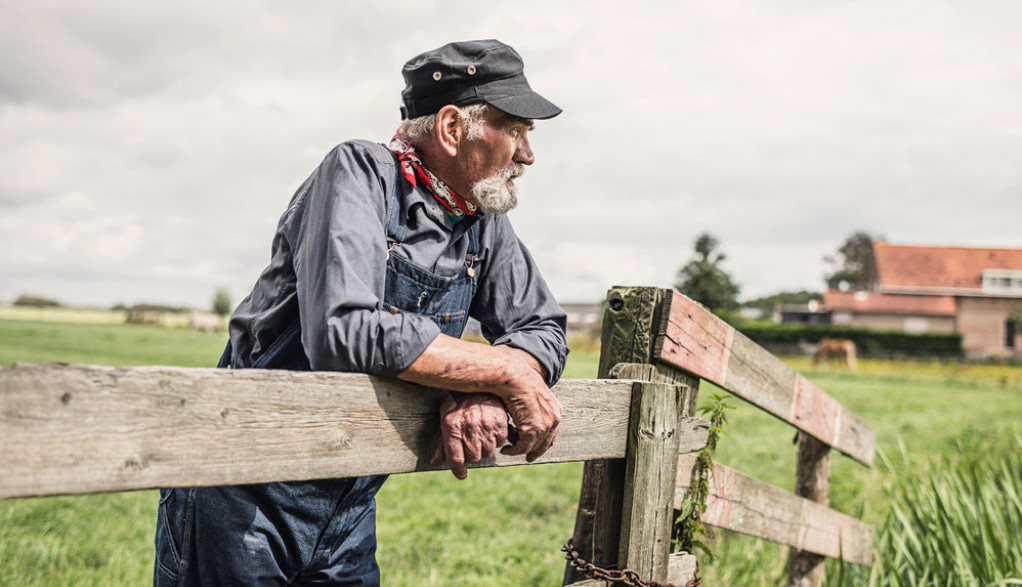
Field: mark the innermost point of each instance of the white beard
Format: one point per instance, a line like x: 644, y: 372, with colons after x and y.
x: 498, y: 194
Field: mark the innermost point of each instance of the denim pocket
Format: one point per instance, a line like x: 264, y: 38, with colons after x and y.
x: 172, y: 520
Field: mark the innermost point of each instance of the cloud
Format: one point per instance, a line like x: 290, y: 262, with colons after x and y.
x: 149, y: 148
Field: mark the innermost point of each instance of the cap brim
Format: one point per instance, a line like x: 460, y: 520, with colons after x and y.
x: 530, y: 105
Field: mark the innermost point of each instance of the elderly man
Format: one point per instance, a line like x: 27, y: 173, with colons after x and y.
x: 380, y: 258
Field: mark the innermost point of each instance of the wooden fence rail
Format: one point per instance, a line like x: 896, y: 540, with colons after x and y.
x: 69, y: 429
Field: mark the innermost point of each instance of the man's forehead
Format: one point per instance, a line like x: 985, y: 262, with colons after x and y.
x: 498, y: 116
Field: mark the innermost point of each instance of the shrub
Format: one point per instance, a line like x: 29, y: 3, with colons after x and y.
x: 870, y: 343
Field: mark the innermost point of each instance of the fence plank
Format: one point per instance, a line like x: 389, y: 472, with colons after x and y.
x: 744, y: 504
x: 83, y: 429
x: 695, y: 340
x: 648, y: 513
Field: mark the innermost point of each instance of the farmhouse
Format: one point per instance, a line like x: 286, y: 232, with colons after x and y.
x: 974, y: 292
x: 583, y: 318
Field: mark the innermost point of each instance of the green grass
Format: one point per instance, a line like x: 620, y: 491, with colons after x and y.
x: 63, y: 315
x: 919, y: 410
x: 957, y: 522
x: 86, y: 540
x: 107, y: 344
x: 504, y: 527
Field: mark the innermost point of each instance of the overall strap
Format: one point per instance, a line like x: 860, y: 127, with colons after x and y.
x: 473, y: 239
x: 395, y: 228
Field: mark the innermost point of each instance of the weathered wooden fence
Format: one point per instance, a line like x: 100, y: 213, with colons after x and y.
x: 677, y: 341
x: 69, y: 429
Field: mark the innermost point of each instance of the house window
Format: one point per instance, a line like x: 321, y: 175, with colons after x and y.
x: 1002, y: 281
x: 916, y: 325
x: 1009, y: 333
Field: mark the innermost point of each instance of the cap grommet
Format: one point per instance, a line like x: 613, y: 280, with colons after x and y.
x: 471, y: 70
x: 437, y: 75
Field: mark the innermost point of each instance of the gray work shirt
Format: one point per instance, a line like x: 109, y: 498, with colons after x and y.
x: 329, y: 262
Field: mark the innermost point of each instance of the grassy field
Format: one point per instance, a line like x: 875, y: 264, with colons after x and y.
x: 504, y: 527
x: 62, y: 315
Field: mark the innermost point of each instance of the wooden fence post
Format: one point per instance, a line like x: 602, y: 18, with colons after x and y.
x: 652, y: 467
x: 805, y: 569
x: 632, y: 319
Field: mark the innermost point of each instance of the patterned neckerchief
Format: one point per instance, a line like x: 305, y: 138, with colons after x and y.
x: 413, y: 168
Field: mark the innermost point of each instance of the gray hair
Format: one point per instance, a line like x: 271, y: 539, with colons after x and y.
x: 415, y: 130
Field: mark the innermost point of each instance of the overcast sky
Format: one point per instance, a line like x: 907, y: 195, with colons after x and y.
x: 148, y: 148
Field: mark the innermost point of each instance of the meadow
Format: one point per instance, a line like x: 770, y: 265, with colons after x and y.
x: 504, y: 527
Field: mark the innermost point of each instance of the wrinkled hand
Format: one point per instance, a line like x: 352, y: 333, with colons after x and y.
x: 472, y: 427
x: 534, y: 410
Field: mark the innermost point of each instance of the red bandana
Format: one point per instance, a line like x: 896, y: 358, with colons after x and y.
x: 413, y: 168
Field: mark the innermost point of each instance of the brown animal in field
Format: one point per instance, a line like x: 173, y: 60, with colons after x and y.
x: 836, y: 348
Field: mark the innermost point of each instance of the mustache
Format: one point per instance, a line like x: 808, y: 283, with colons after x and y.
x: 513, y: 171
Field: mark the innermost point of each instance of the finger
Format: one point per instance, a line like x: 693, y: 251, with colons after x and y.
x: 473, y: 449
x: 500, y: 434
x: 455, y: 457
x: 526, y: 439
x: 494, y: 436
x: 544, y: 444
x: 489, y: 448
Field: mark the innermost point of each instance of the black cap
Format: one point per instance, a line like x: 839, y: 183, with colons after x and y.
x: 470, y: 72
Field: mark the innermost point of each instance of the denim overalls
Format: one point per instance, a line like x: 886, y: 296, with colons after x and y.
x: 307, y: 532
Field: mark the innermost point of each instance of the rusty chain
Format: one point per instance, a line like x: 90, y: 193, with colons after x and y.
x: 624, y: 576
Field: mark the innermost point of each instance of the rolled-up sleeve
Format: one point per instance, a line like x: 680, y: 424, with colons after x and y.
x: 514, y: 305
x: 340, y: 254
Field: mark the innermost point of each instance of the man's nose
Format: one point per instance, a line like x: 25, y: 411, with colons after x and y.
x: 523, y: 151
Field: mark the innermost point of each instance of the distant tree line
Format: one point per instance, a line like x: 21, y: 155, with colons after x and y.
x: 36, y: 301
x: 147, y: 307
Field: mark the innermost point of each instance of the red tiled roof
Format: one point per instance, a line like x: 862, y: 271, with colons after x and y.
x: 906, y: 268
x: 889, y: 303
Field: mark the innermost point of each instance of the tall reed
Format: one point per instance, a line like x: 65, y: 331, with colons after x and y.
x: 957, y: 522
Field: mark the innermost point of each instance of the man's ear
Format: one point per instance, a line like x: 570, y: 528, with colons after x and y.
x: 450, y: 129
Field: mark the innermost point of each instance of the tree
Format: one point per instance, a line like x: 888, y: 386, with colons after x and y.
x: 222, y: 304
x: 36, y: 301
x: 704, y: 281
x: 855, y: 266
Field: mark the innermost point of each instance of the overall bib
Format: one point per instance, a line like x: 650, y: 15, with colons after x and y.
x: 306, y: 532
